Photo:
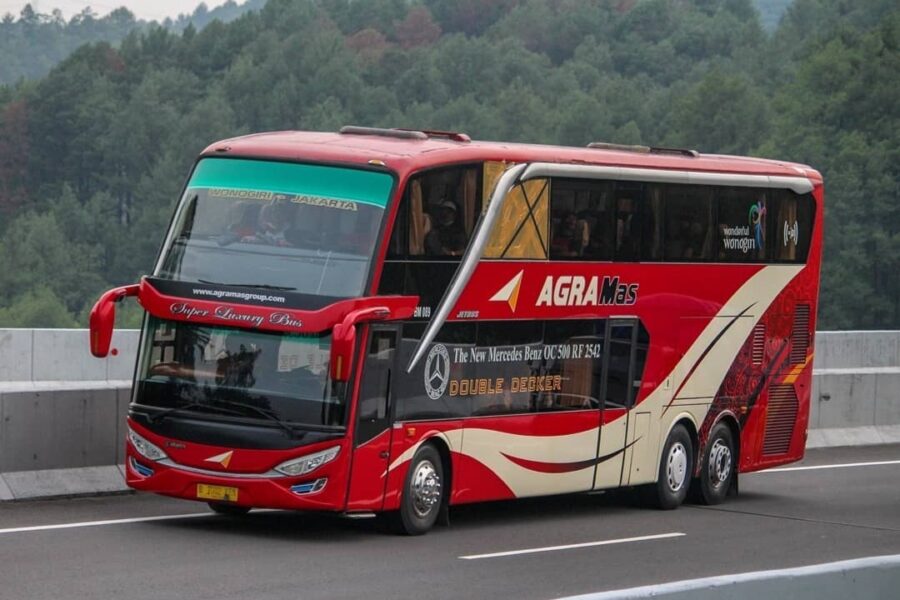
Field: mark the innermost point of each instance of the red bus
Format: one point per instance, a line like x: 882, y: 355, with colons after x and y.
x: 383, y: 321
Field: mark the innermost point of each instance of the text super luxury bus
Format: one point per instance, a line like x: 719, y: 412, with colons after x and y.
x: 394, y: 321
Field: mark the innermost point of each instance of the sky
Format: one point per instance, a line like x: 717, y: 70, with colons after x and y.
x: 143, y: 9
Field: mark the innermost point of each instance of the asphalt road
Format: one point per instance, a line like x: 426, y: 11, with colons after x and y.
x: 781, y: 519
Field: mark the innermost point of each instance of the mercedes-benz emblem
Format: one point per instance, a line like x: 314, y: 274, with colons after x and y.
x: 437, y: 371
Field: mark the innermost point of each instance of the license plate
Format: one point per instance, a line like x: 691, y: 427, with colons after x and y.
x: 217, y: 492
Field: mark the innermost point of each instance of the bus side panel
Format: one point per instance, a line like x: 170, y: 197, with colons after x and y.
x: 530, y: 454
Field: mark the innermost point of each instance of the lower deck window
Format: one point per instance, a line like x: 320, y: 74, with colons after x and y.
x: 520, y: 367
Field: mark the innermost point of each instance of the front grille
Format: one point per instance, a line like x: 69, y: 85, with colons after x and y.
x: 780, y: 419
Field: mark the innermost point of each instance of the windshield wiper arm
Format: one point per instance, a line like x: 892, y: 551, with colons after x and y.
x: 218, y: 406
x: 187, y: 407
x: 261, y: 286
x: 292, y: 432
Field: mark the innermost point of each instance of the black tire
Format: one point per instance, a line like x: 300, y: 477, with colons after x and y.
x: 675, y: 467
x: 717, y: 467
x: 232, y: 510
x: 423, y: 494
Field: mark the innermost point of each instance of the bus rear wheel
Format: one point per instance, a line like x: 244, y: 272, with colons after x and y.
x: 717, y: 468
x: 675, y: 467
x: 232, y: 510
x: 423, y: 494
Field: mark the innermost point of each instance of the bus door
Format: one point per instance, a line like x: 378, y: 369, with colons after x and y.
x: 619, y: 386
x: 372, y: 433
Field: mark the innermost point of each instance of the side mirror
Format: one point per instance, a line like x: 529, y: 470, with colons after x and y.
x: 343, y: 339
x: 103, y: 318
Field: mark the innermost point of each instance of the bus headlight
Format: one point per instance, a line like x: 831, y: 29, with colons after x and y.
x: 308, y: 463
x: 145, y: 448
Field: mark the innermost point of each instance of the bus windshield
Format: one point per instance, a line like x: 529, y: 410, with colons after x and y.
x: 230, y: 372
x: 296, y: 227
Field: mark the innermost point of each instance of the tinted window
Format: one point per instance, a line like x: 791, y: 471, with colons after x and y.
x: 743, y: 214
x: 792, y: 220
x: 629, y: 199
x: 581, y: 220
x: 689, y: 223
x: 426, y: 393
x: 508, y: 367
x: 501, y: 368
x: 575, y: 356
x: 633, y: 221
x: 437, y: 215
x: 434, y: 223
x: 373, y: 393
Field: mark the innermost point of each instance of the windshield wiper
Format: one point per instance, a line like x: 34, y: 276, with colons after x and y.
x: 187, y: 407
x: 261, y: 286
x: 292, y: 432
x: 218, y: 406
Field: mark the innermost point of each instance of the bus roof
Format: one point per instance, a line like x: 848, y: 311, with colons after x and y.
x: 414, y: 151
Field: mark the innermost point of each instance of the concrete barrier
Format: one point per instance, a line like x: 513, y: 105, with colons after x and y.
x: 856, y: 389
x: 872, y: 578
x: 61, y: 408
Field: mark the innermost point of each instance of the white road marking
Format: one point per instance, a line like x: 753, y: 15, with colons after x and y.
x: 100, y: 523
x: 123, y: 521
x: 642, y: 538
x: 837, y: 466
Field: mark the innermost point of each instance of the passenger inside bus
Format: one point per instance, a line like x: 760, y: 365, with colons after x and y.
x: 235, y: 363
x: 570, y: 236
x: 275, y: 220
x: 627, y: 232
x: 247, y: 216
x: 446, y: 237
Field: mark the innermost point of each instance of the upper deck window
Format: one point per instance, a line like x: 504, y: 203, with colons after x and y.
x: 434, y: 225
x: 306, y: 228
x: 437, y: 215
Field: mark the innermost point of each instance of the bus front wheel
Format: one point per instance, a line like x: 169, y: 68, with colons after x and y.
x: 423, y: 493
x: 675, y: 468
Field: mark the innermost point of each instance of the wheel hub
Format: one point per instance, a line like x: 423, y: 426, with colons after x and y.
x: 426, y: 488
x: 676, y: 467
x: 719, y: 463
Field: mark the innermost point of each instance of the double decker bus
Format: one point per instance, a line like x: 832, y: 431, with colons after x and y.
x: 382, y: 321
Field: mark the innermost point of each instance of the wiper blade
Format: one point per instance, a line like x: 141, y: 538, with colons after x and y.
x: 187, y: 407
x: 291, y: 431
x: 261, y: 286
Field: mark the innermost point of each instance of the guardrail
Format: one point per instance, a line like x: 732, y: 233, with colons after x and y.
x: 61, y: 408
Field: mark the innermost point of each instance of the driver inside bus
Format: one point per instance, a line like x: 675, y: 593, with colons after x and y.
x: 274, y: 221
x: 446, y: 237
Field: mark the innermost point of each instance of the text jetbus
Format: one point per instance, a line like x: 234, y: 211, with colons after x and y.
x: 393, y: 321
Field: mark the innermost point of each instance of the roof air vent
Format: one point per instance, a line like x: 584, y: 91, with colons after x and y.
x: 406, y: 134
x: 403, y: 134
x: 643, y: 149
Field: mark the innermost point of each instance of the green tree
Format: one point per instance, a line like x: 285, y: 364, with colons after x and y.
x: 38, y: 307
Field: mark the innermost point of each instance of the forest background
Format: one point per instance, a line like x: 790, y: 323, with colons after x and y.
x: 94, y: 149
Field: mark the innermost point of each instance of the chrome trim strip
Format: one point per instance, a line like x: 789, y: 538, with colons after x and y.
x: 800, y: 185
x: 268, y: 475
x: 469, y: 261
